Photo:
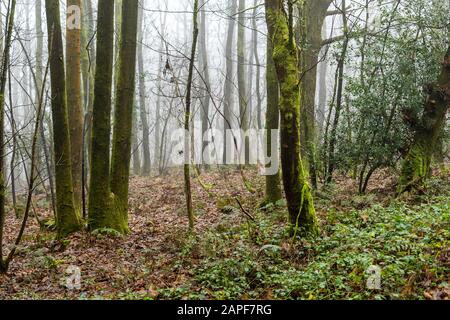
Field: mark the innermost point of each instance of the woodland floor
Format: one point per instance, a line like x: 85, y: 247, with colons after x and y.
x: 232, y: 257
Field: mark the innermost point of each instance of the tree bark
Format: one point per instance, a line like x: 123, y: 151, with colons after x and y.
x: 416, y: 166
x: 302, y: 216
x: 241, y: 73
x: 312, y: 16
x: 228, y: 89
x: 100, y: 210
x: 74, y: 103
x: 187, y: 120
x: 123, y: 117
x: 3, y: 78
x: 273, y: 183
x: 66, y: 215
x: 146, y: 166
x: 206, y: 101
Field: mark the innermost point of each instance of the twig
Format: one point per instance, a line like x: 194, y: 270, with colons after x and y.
x: 245, y: 211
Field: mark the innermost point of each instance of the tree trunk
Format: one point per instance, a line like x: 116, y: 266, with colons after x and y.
x: 241, y: 73
x: 142, y: 96
x: 228, y: 90
x: 322, y: 103
x: 135, y: 145
x: 302, y: 214
x: 67, y: 218
x: 339, y: 96
x: 74, y: 103
x: 416, y: 166
x: 273, y: 184
x: 258, y: 68
x: 123, y: 117
x: 3, y: 78
x: 312, y: 16
x: 100, y: 214
x: 205, y: 104
x: 88, y: 71
x: 187, y: 120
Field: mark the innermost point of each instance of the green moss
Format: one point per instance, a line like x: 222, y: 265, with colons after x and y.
x: 415, y: 169
x: 302, y: 214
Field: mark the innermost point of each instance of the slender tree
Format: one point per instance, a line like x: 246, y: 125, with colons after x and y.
x: 241, y: 73
x: 228, y: 89
x: 142, y: 98
x: 203, y: 61
x: 258, y: 67
x: 339, y: 97
x: 187, y: 119
x: 3, y: 78
x: 74, y: 95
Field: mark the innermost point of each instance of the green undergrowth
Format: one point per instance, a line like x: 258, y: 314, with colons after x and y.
x: 408, y: 242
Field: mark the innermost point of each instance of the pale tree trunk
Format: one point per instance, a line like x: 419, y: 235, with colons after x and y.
x: 74, y: 102
x: 228, y: 90
x: 241, y: 73
x: 204, y: 67
x: 88, y: 71
x: 339, y: 98
x: 258, y: 68
x: 158, y: 144
x: 135, y: 144
x: 146, y: 166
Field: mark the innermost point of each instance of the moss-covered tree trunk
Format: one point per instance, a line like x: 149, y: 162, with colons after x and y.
x: 100, y: 210
x: 273, y: 182
x: 74, y: 100
x: 66, y: 215
x: 123, y: 117
x: 416, y: 166
x: 146, y: 166
x: 302, y: 214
